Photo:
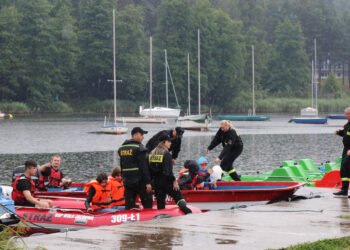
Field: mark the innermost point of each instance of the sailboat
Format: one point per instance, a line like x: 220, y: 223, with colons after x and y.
x: 159, y: 111
x: 310, y: 114
x: 251, y: 114
x: 114, y: 128
x: 200, y: 122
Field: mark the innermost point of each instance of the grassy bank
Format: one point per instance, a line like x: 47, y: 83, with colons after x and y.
x: 241, y: 105
x: 329, y: 244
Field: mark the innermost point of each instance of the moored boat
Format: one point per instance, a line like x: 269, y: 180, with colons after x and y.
x: 244, y: 118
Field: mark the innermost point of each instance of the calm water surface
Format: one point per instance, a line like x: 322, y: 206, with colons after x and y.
x: 86, y: 152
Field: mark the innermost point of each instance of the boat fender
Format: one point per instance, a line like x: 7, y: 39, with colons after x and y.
x: 217, y: 173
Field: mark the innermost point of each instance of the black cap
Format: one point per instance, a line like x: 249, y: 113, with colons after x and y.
x: 138, y: 130
x: 164, y: 137
x: 179, y: 131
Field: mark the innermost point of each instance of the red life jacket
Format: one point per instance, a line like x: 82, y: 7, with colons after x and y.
x: 17, y: 195
x: 188, y: 185
x: 53, y: 180
x: 101, y: 195
x: 117, y: 192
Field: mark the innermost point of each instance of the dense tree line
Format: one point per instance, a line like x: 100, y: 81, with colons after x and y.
x: 62, y: 49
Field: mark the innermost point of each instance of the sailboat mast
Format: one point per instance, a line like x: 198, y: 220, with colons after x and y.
x: 150, y: 74
x: 166, y: 78
x: 315, y: 78
x: 312, y: 83
x: 188, y: 83
x: 199, y: 75
x: 253, y: 80
x: 114, y: 73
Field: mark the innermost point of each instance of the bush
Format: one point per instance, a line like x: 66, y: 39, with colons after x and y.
x: 14, y: 107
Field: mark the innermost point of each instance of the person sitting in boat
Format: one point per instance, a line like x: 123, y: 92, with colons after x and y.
x: 24, y: 187
x: 161, y: 168
x: 189, y: 177
x: 117, y: 182
x: 232, y: 147
x: 100, y: 193
x: 51, y: 176
x: 204, y: 172
x: 175, y: 137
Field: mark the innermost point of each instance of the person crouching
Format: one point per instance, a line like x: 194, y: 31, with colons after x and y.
x: 99, y: 193
x: 161, y: 168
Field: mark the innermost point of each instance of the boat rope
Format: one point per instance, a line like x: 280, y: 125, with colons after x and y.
x: 278, y: 211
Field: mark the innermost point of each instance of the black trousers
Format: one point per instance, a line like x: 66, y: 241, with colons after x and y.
x: 345, y: 165
x: 162, y: 189
x: 227, y: 161
x: 132, y: 190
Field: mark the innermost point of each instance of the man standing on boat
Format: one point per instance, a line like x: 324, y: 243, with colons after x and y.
x: 24, y: 187
x: 345, y: 161
x: 135, y: 173
x: 232, y: 147
x: 175, y: 138
x: 51, y: 176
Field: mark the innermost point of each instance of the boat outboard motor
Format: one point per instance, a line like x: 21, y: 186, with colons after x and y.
x: 20, y: 171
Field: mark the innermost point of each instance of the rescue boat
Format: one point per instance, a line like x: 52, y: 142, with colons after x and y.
x: 67, y: 219
x: 224, y: 196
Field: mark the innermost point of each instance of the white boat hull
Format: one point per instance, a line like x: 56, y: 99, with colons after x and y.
x: 114, y: 129
x: 160, y: 112
x: 194, y: 122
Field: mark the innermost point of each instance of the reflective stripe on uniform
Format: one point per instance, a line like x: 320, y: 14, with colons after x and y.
x: 130, y: 169
x: 231, y: 171
x: 345, y: 179
x: 180, y: 201
x: 130, y: 145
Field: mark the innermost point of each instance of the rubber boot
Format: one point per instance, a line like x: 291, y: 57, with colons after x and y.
x: 344, y: 189
x: 183, y: 207
x: 235, y: 176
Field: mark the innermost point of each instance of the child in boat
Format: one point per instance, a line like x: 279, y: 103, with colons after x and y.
x: 117, y: 182
x: 189, y: 177
x: 204, y: 172
x: 99, y: 193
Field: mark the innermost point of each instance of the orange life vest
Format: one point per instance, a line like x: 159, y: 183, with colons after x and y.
x: 17, y: 195
x: 118, y: 192
x: 101, y: 195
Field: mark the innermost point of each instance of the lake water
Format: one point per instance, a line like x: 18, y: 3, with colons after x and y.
x: 85, y: 152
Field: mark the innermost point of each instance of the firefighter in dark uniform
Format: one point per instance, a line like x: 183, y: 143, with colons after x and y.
x: 345, y: 161
x: 175, y: 137
x: 232, y: 147
x: 161, y: 167
x: 135, y: 173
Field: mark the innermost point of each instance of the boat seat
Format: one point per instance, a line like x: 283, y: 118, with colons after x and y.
x: 298, y: 171
x: 288, y: 163
x: 283, y: 174
x: 329, y: 166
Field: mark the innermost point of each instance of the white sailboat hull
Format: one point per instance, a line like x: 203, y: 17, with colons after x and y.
x: 159, y: 112
x: 114, y: 129
x: 194, y: 122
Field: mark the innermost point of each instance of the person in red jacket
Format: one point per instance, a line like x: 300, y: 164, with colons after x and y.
x: 99, y: 193
x: 24, y: 187
x: 117, y: 182
x: 51, y: 176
